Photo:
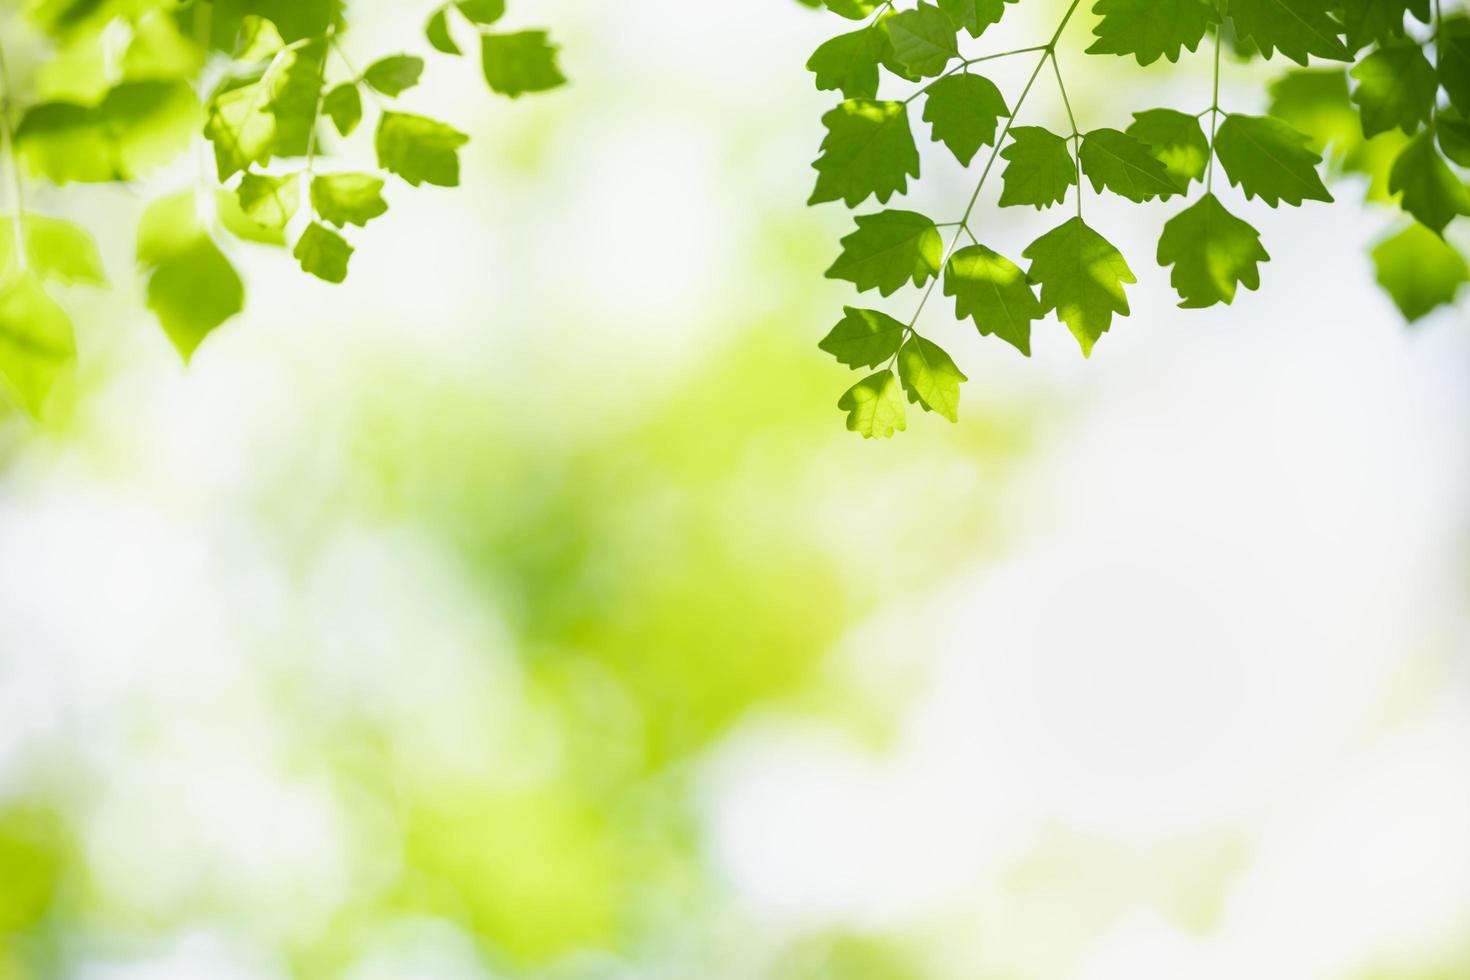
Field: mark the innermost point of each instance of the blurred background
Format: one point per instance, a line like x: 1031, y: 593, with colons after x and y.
x: 522, y: 609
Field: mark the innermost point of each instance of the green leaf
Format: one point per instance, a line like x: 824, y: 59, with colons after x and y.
x: 1297, y: 28
x: 1454, y: 135
x: 874, y: 407
x: 297, y: 20
x: 36, y: 341
x: 347, y: 199
x: 136, y: 128
x: 344, y: 105
x: 1081, y: 277
x: 889, y: 249
x: 923, y: 39
x: 250, y: 122
x: 1397, y: 87
x: 852, y: 9
x: 1430, y: 190
x: 1212, y: 252
x: 1370, y: 21
x: 259, y: 40
x: 234, y: 220
x: 1270, y: 160
x: 930, y: 377
x: 964, y: 110
x: 1316, y: 102
x: 519, y: 63
x: 269, y: 202
x: 1176, y: 140
x: 482, y: 12
x: 849, y: 63
x: 419, y: 149
x: 394, y: 75
x: 869, y: 150
x: 55, y: 249
x: 974, y: 16
x: 1039, y: 168
x: 1420, y: 271
x: 1117, y: 162
x: 863, y: 338
x: 437, y: 32
x: 990, y: 289
x: 1454, y: 61
x: 1151, y: 29
x: 323, y: 253
x: 191, y: 285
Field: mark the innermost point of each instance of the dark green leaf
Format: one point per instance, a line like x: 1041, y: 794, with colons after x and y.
x: 1454, y: 135
x: 1297, y: 28
x: 1150, y: 29
x: 889, y: 249
x: 1454, y: 61
x: 990, y: 289
x: 482, y: 12
x: 1373, y: 21
x: 1430, y: 190
x: 1397, y: 87
x: 1270, y: 160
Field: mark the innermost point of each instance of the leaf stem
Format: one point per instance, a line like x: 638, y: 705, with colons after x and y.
x: 965, y: 63
x: 1214, y: 112
x: 1048, y: 51
x: 1076, y: 137
x: 17, y: 181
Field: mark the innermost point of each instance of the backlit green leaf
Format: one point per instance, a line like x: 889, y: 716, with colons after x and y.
x: 1176, y: 140
x: 1124, y: 165
x: 1212, y: 252
x: 888, y: 250
x: 923, y: 39
x: 323, y: 253
x: 849, y: 63
x: 1420, y: 271
x: 394, y: 75
x: 343, y: 105
x: 1268, y: 159
x: 874, y: 406
x: 36, y: 341
x: 1297, y: 28
x: 1039, y: 168
x: 993, y: 291
x: 437, y: 32
x: 1397, y: 87
x: 1429, y: 189
x: 964, y: 110
x: 419, y: 149
x: 930, y: 377
x: 1150, y: 29
x: 1081, y: 277
x: 868, y: 151
x: 347, y: 199
x: 974, y: 16
x: 518, y: 63
x: 863, y: 338
x: 191, y: 285
x: 55, y: 249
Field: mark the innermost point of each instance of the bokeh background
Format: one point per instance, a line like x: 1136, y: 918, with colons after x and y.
x: 522, y: 609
